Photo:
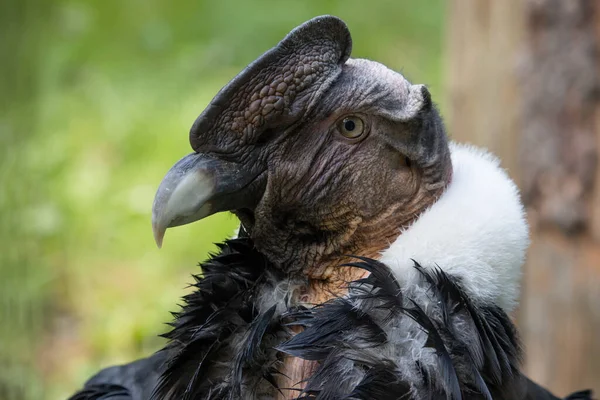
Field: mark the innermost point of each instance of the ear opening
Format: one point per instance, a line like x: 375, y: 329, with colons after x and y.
x: 277, y: 88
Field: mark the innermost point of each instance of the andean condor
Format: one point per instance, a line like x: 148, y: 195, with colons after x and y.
x: 375, y: 259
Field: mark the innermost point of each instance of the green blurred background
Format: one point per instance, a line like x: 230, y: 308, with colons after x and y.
x: 97, y: 97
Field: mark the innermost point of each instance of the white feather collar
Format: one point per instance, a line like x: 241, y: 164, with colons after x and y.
x: 475, y: 231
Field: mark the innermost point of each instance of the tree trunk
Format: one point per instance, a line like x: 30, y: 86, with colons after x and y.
x: 524, y: 82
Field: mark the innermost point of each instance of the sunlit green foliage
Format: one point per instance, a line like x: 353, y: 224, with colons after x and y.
x: 96, y: 99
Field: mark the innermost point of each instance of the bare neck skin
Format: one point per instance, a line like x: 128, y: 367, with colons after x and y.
x: 327, y: 278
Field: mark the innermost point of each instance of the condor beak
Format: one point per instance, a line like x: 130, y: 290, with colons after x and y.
x: 198, y: 186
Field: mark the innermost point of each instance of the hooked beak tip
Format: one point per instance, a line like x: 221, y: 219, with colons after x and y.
x: 194, y: 188
x: 159, y: 234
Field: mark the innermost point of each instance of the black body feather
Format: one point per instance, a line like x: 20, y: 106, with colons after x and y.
x: 220, y: 339
x: 132, y: 381
x: 382, y: 341
x: 103, y: 392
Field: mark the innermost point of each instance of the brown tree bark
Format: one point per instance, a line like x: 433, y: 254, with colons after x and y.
x: 524, y: 81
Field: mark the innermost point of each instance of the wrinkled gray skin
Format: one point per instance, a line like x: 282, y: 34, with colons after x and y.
x: 276, y: 156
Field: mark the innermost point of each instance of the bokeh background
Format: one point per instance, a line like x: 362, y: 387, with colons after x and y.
x: 96, y: 100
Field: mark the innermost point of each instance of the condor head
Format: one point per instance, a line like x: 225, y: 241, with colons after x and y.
x: 318, y: 154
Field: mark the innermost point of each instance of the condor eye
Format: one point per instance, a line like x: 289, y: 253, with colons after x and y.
x: 352, y: 127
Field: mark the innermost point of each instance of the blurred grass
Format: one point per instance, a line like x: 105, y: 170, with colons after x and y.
x: 96, y: 101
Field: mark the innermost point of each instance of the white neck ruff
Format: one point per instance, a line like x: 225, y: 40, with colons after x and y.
x: 476, y: 231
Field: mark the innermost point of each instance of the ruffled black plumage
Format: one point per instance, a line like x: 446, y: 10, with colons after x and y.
x: 221, y: 343
x: 424, y: 339
x: 458, y: 349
